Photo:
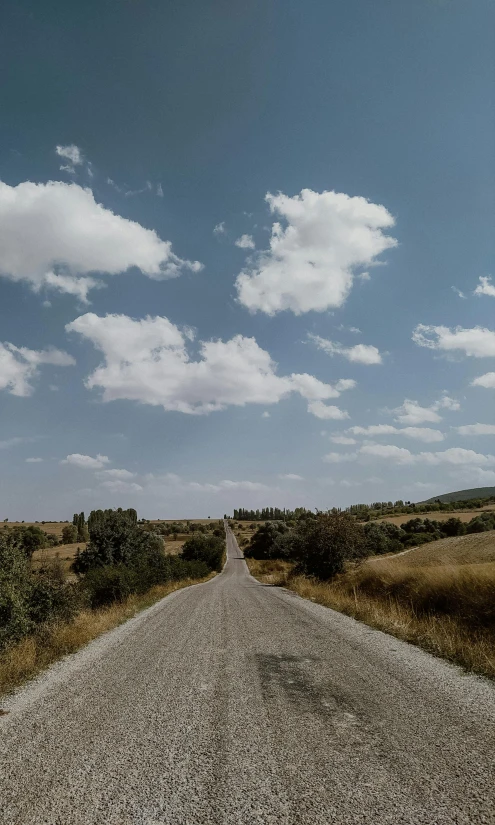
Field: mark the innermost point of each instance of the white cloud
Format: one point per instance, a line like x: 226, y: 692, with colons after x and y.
x: 426, y: 434
x: 122, y: 475
x: 410, y: 412
x: 34, y: 460
x: 159, y: 190
x: 388, y: 451
x: 487, y: 380
x: 485, y: 287
x: 118, y: 486
x: 342, y: 439
x: 86, y: 462
x: 475, y: 475
x: 148, y: 361
x: 55, y: 234
x: 20, y: 365
x: 478, y: 342
x: 476, y: 429
x: 458, y: 292
x: 266, y: 414
x: 170, y: 482
x: 326, y: 411
x: 291, y: 476
x: 245, y: 242
x: 14, y: 442
x: 454, y: 455
x: 72, y: 154
x: 325, y: 240
x: 339, y: 458
x: 359, y: 353
x: 219, y: 229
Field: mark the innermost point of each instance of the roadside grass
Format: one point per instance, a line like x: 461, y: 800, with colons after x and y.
x: 447, y: 609
x: 26, y: 659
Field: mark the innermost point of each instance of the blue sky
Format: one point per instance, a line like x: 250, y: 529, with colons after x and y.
x: 245, y: 254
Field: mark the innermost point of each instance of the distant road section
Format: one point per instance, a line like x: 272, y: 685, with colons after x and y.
x: 236, y: 703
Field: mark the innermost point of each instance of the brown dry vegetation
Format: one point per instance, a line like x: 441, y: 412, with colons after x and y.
x: 53, y: 527
x: 28, y: 657
x: 463, y: 515
x: 447, y: 608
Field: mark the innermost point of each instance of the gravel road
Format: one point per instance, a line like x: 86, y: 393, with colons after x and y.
x: 234, y: 702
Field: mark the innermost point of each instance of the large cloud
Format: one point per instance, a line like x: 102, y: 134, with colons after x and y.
x: 314, y: 255
x: 487, y: 380
x: 86, y: 462
x: 55, y: 235
x: 485, y: 287
x: 426, y: 434
x: 456, y: 456
x: 359, y: 353
x: 148, y: 361
x: 410, y: 412
x: 20, y: 365
x: 478, y: 342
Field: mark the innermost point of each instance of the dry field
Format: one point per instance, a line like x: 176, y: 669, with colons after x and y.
x: 54, y: 528
x: 64, y: 552
x: 463, y: 515
x: 477, y: 548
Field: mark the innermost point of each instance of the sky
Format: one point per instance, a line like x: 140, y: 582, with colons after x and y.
x: 246, y: 254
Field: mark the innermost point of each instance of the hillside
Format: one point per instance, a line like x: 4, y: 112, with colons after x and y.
x: 462, y: 495
x: 478, y: 548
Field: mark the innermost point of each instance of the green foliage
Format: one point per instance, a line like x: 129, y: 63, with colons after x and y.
x: 322, y: 545
x: 204, y: 548
x: 114, y: 538
x: 30, y: 538
x: 264, y: 541
x: 69, y: 534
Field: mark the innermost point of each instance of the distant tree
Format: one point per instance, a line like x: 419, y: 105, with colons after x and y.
x: 69, y: 534
x: 322, y: 545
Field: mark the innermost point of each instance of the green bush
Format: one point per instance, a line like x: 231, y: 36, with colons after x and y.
x: 204, y: 548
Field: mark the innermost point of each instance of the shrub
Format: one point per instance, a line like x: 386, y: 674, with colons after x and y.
x: 69, y: 534
x: 264, y: 541
x: 322, y: 545
x: 207, y: 549
x: 15, y: 590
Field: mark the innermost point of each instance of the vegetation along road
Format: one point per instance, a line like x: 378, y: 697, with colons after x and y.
x: 234, y: 702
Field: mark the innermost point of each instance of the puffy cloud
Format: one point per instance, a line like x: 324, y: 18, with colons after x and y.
x: 478, y: 342
x: 327, y: 411
x: 325, y: 238
x: 487, y: 380
x: 454, y: 455
x: 485, y: 287
x: 426, y: 434
x: 219, y: 229
x: 410, y: 412
x: 399, y: 455
x: 291, y: 476
x: 20, y: 365
x: 388, y: 451
x: 148, y: 361
x: 116, y: 485
x: 476, y: 429
x: 342, y: 439
x: 170, y: 482
x: 55, y: 234
x: 359, y: 353
x: 72, y: 155
x: 339, y: 458
x: 122, y: 475
x: 245, y: 242
x: 86, y: 462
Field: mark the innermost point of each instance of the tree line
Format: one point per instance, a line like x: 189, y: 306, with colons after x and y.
x: 320, y: 544
x: 121, y: 558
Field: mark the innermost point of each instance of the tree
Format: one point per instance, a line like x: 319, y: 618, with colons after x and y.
x: 69, y: 534
x: 263, y: 542
x: 322, y: 545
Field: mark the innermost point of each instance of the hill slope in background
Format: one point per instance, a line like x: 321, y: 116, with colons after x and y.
x: 462, y: 495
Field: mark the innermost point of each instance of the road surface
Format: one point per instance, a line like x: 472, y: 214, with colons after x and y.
x: 237, y: 703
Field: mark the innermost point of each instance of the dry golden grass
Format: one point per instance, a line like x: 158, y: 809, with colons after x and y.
x: 64, y: 552
x: 463, y: 515
x: 53, y: 527
x: 28, y: 657
x: 448, y: 610
x: 476, y: 548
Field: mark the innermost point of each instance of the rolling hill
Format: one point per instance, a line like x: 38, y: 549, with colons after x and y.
x: 462, y: 495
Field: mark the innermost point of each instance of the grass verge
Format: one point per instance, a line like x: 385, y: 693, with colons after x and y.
x: 25, y: 659
x: 447, y: 611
